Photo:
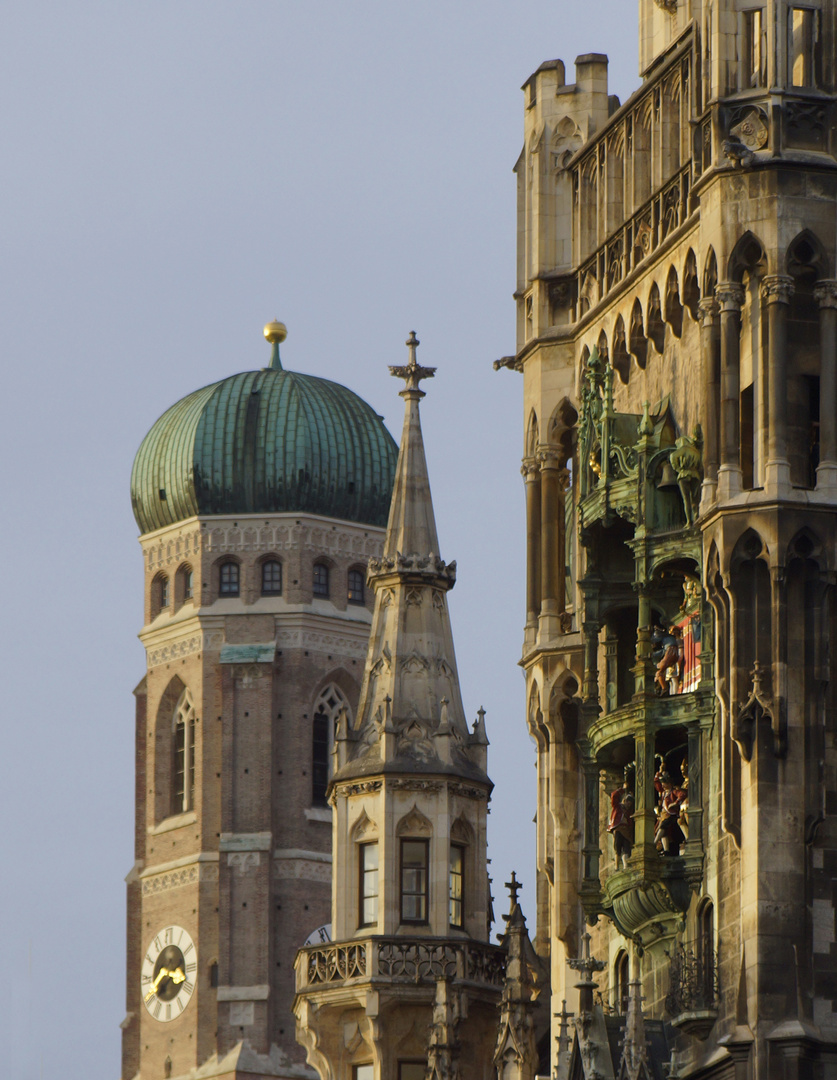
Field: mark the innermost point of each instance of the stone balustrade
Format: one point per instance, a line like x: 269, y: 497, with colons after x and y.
x: 400, y: 959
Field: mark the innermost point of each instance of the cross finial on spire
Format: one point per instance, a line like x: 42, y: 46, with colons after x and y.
x: 514, y: 887
x: 412, y: 373
x: 586, y: 963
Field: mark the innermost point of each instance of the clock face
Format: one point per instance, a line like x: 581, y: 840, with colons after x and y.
x: 169, y: 969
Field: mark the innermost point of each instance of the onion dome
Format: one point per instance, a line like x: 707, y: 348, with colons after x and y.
x: 262, y: 442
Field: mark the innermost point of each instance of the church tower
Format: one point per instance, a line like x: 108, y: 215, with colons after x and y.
x: 410, y: 981
x: 677, y: 336
x: 260, y: 499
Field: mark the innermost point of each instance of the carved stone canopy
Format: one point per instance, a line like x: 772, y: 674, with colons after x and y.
x: 667, y: 5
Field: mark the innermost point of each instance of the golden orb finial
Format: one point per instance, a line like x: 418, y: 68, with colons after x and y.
x: 275, y: 332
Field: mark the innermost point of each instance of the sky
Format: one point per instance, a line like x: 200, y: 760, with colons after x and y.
x: 173, y: 176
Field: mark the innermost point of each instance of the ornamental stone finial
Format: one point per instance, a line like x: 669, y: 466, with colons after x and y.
x: 514, y: 887
x: 412, y: 373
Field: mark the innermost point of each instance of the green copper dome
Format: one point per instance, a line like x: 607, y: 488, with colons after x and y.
x: 264, y: 442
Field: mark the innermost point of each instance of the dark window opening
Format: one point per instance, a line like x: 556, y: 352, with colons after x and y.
x: 356, y: 587
x: 319, y: 760
x: 747, y: 438
x: 755, y: 49
x: 320, y: 579
x: 271, y: 577
x: 457, y: 862
x: 368, y: 884
x: 229, y: 579
x: 803, y: 46
x: 414, y: 859
x: 812, y: 395
x: 183, y: 764
x: 621, y: 978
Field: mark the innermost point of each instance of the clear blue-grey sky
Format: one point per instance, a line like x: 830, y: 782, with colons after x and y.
x: 173, y: 176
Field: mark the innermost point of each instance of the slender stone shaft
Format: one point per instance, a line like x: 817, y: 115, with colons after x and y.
x: 532, y: 478
x: 826, y: 295
x: 776, y: 293
x: 730, y: 298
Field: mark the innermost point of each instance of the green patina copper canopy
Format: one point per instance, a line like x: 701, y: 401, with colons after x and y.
x: 265, y: 442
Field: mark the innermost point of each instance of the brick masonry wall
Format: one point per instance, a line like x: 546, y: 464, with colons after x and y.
x: 247, y: 871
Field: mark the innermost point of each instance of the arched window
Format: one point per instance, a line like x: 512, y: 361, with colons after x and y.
x: 183, y: 765
x: 159, y: 595
x: 320, y: 579
x: 415, y: 857
x: 461, y: 870
x: 229, y: 584
x: 706, y: 951
x: 355, y: 587
x: 183, y: 585
x: 271, y: 577
x: 621, y: 980
x: 326, y: 710
x: 456, y: 877
x: 414, y: 831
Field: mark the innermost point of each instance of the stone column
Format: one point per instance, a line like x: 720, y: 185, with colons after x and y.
x: 550, y: 554
x: 645, y: 820
x: 776, y: 292
x: 826, y: 296
x: 591, y: 851
x: 590, y: 689
x: 532, y: 477
x: 708, y: 309
x: 643, y: 668
x: 730, y: 297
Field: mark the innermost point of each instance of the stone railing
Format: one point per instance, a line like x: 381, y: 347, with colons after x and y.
x: 637, y: 238
x: 398, y: 959
x: 334, y: 963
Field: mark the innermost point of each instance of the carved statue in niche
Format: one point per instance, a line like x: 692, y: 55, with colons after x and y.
x: 668, y: 836
x: 621, y: 825
x: 669, y: 666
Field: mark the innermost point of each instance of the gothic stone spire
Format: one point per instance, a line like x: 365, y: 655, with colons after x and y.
x: 410, y: 714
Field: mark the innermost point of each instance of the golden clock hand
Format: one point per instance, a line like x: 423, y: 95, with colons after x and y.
x: 161, y: 974
x: 177, y: 976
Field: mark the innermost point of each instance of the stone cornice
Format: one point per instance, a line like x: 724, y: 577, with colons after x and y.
x: 260, y: 534
x: 301, y: 628
x: 177, y: 864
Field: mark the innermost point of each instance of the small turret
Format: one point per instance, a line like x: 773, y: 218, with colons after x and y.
x: 410, y: 901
